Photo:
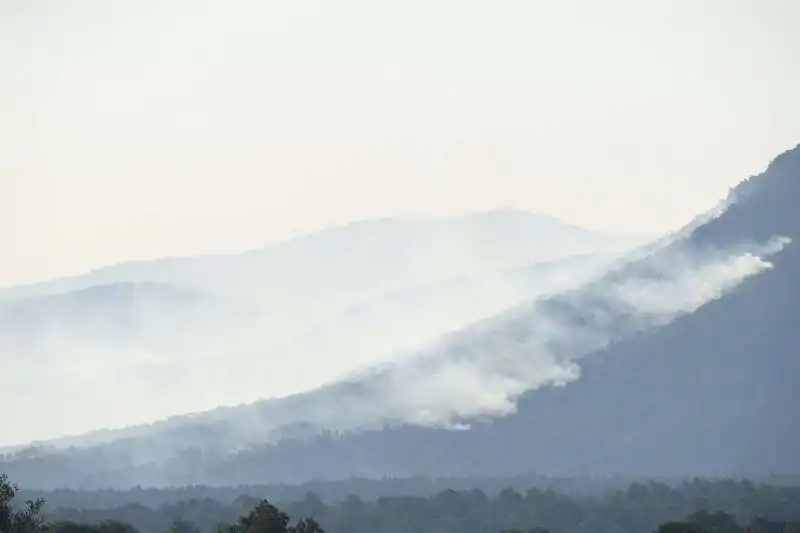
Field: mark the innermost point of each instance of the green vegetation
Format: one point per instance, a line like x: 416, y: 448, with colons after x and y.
x: 699, y: 506
x: 263, y: 518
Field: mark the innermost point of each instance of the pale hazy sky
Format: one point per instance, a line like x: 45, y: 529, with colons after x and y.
x: 136, y: 128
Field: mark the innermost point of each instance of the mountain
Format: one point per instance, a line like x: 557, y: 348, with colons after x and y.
x: 339, y: 267
x: 64, y: 350
x: 171, y: 336
x: 682, y: 359
x: 405, y: 320
x: 712, y: 392
x: 152, y: 315
x: 58, y: 350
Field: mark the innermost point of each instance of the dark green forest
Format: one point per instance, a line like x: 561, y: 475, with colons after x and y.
x: 700, y: 505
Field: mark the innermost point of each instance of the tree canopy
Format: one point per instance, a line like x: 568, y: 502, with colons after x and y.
x: 701, y: 506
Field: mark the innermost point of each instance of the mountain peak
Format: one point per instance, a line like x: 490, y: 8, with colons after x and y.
x: 759, y: 208
x: 779, y: 173
x: 790, y: 157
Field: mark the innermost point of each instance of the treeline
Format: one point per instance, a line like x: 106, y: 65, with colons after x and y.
x: 29, y: 518
x: 719, y: 489
x: 701, y: 506
x: 337, y: 491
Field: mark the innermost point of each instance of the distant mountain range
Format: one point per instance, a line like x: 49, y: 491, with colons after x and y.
x: 170, y: 336
x: 359, y: 261
x: 378, y: 267
x: 681, y: 359
x: 158, y: 315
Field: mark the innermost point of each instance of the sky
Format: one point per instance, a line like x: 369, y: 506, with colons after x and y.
x: 143, y: 128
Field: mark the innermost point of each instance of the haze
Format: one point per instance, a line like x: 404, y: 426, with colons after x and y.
x: 141, y: 130
x: 151, y: 128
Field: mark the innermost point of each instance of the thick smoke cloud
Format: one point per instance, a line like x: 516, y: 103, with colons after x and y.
x: 482, y: 371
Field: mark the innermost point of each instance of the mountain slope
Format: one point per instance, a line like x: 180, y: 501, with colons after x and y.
x: 693, y: 370
x: 166, y: 349
x: 173, y: 335
x: 713, y: 392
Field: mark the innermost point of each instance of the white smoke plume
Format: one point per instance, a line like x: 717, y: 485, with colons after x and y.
x: 479, y: 371
x: 174, y: 351
x: 482, y: 371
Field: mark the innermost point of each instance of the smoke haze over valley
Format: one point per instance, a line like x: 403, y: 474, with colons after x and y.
x: 290, y: 242
x: 178, y: 335
x: 529, y: 328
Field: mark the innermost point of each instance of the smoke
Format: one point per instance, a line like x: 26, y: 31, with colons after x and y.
x: 481, y: 371
x: 437, y: 360
x: 130, y: 353
x: 476, y: 372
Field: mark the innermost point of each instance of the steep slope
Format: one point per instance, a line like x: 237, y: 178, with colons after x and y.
x: 693, y: 370
x: 713, y: 392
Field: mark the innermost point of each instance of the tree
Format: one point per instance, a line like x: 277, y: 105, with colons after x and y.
x: 307, y: 525
x: 680, y: 527
x: 180, y: 525
x: 7, y: 492
x: 265, y: 518
x: 717, y: 522
x: 27, y: 520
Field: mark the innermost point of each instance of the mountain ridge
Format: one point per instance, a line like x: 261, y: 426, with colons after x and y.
x: 657, y: 401
x: 178, y: 325
x: 502, y: 215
